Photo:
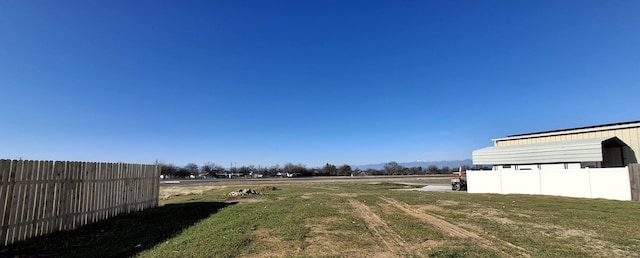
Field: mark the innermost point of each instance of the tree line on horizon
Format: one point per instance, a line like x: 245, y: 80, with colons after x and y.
x: 212, y: 170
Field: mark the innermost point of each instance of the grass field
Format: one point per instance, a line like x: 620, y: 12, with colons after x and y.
x: 337, y: 219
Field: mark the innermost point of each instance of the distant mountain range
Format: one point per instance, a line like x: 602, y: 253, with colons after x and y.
x: 453, y: 164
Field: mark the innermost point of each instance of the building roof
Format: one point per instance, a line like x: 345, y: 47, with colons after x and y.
x: 572, y: 130
x: 585, y: 150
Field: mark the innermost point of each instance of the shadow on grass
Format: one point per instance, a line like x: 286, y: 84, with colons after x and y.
x: 121, y: 236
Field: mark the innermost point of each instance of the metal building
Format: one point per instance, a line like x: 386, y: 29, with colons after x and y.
x: 609, y: 145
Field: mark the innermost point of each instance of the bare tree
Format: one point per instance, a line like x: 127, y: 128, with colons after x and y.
x: 372, y: 172
x: 330, y: 169
x: 168, y: 170
x: 344, y: 170
x: 192, y: 168
x: 392, y: 168
x: 293, y: 169
x: 274, y: 170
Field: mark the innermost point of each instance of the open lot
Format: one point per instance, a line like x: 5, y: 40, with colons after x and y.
x: 353, y: 218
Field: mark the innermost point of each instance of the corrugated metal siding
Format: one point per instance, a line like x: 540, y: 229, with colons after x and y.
x: 630, y: 136
x: 584, y: 150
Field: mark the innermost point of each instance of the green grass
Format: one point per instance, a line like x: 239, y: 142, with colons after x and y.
x: 121, y: 236
x: 317, y: 220
x: 462, y: 249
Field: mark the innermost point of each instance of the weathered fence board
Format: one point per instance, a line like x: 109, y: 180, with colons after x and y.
x: 634, y: 177
x: 41, y: 197
x: 5, y: 197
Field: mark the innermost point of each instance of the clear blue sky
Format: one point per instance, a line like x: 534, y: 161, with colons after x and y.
x: 311, y: 82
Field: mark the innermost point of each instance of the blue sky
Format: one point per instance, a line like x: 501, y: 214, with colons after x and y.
x: 311, y: 82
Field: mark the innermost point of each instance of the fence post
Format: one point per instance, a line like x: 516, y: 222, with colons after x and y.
x: 634, y: 181
x: 7, y: 174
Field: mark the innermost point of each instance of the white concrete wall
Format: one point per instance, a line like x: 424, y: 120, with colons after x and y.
x: 488, y: 181
x: 566, y: 182
x: 610, y: 183
x: 607, y: 183
x: 529, y: 182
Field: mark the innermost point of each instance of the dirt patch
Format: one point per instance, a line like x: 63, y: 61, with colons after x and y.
x: 575, y: 233
x: 492, y: 214
x: 447, y: 203
x: 169, y: 192
x: 473, y: 228
x: 595, y: 246
x: 429, y: 208
x: 349, y: 195
x: 307, y: 196
x: 456, y: 231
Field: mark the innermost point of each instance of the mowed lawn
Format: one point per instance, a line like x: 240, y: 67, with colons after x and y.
x: 333, y: 219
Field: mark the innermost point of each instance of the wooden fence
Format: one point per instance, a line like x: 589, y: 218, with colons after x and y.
x: 634, y: 178
x: 41, y: 197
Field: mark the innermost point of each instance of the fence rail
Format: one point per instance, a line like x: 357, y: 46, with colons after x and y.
x: 41, y: 197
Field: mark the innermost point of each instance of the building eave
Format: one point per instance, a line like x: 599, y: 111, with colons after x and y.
x: 585, y: 150
x: 570, y: 131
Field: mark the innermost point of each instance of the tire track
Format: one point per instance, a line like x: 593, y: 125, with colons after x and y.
x: 392, y: 241
x: 454, y: 230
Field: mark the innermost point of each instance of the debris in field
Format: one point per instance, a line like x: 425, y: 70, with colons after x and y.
x: 242, y: 192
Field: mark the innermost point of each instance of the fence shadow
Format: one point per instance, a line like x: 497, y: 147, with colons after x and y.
x: 120, y: 236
